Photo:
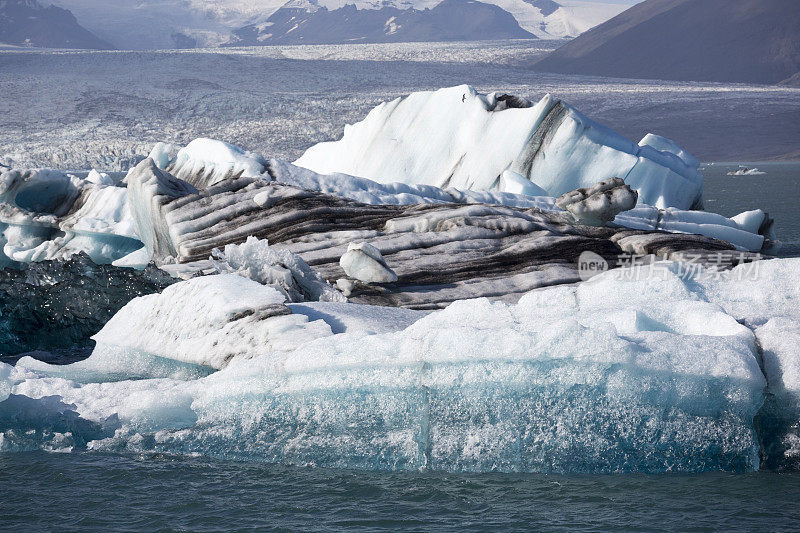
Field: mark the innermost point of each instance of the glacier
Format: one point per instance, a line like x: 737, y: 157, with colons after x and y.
x: 643, y: 369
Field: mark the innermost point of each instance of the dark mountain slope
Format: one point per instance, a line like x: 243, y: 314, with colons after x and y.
x: 28, y: 23
x: 749, y: 41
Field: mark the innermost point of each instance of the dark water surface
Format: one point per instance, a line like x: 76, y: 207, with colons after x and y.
x: 777, y: 192
x: 66, y: 492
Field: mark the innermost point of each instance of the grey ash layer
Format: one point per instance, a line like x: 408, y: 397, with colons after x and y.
x: 440, y: 252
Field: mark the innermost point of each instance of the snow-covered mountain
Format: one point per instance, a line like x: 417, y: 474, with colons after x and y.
x: 149, y: 24
x: 451, y: 20
x: 30, y: 23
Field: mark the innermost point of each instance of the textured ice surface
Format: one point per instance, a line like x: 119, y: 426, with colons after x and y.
x: 204, y: 162
x: 442, y: 138
x: 48, y: 214
x: 600, y: 203
x: 280, y: 269
x: 5, y: 381
x: 647, y: 369
x: 346, y: 317
x: 208, y: 321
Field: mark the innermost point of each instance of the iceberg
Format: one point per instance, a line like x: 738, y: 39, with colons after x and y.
x: 744, y: 171
x: 654, y: 368
x: 208, y: 321
x: 447, y: 248
x: 457, y: 137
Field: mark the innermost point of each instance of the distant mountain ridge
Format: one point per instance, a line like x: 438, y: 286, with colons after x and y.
x: 450, y: 20
x: 29, y: 23
x: 154, y: 24
x: 747, y: 41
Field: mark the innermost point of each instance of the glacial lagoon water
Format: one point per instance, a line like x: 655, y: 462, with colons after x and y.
x: 80, y: 491
x: 68, y: 492
x: 776, y: 191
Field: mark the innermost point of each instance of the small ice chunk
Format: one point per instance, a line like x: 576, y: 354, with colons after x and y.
x: 599, y: 204
x: 365, y: 263
x: 164, y: 154
x: 138, y: 259
x: 280, y: 269
x: 514, y: 183
x: 99, y: 178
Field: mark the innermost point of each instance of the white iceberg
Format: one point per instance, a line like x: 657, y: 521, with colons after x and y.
x: 208, y: 321
x: 459, y: 138
x: 745, y: 171
x: 649, y: 369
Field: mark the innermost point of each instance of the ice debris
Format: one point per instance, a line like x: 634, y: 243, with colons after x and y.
x: 278, y: 268
x: 364, y: 262
x: 600, y: 203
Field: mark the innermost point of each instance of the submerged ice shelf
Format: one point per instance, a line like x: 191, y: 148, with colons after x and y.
x: 412, y: 321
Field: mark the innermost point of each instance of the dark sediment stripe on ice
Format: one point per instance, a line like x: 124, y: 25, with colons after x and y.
x: 440, y: 252
x: 543, y: 132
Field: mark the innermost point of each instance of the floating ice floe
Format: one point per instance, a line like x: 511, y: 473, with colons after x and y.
x: 459, y: 138
x: 744, y: 171
x: 648, y: 369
